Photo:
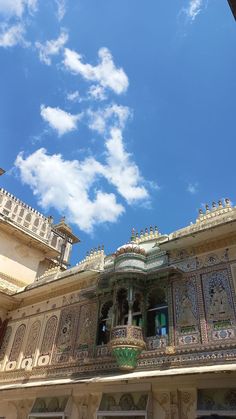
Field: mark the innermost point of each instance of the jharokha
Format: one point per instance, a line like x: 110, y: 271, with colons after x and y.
x: 147, y: 332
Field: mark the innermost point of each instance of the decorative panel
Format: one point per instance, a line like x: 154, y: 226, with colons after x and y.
x: 87, y: 328
x: 5, y: 342
x: 17, y: 343
x: 219, y: 307
x: 217, y: 399
x: 49, y: 335
x: 66, y: 334
x: 186, y: 312
x: 32, y: 340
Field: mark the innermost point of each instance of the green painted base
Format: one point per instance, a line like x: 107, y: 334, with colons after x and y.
x: 126, y: 357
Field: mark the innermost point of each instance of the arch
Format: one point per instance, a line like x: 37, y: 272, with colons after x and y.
x: 49, y: 335
x: 17, y: 343
x: 32, y: 340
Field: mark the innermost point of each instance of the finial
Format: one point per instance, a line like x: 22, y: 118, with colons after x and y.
x: 63, y: 219
x: 151, y: 229
x: 220, y: 203
x: 102, y: 246
x: 141, y: 233
x: 200, y: 211
x: 146, y: 231
x: 132, y: 234
x: 227, y: 202
x: 213, y: 205
x: 156, y: 229
x: 207, y: 207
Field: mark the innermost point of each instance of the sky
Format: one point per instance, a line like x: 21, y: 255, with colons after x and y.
x: 117, y: 114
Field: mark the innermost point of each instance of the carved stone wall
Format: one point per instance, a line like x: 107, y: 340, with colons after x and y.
x: 17, y: 343
x: 32, y: 340
x: 49, y: 335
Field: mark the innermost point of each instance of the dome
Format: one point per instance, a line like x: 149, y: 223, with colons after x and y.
x: 130, y: 248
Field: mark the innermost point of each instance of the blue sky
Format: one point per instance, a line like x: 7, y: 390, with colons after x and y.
x: 117, y: 114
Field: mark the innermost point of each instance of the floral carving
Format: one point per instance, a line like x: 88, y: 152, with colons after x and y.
x: 17, y: 343
x: 49, y: 335
x: 5, y: 342
x: 32, y: 339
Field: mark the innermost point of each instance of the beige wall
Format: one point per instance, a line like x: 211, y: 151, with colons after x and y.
x: 172, y: 398
x: 17, y: 259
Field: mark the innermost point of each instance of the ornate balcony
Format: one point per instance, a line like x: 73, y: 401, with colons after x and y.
x: 126, y: 345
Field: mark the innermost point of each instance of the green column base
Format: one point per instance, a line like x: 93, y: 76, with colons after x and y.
x: 126, y: 357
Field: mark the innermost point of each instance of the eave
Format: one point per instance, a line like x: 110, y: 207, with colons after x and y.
x: 232, y: 4
x: 68, y: 282
x: 27, y: 238
x: 206, y: 235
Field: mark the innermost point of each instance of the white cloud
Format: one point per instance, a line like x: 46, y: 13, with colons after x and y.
x: 74, y: 96
x: 192, y: 188
x: 105, y: 73
x: 12, y: 35
x: 194, y: 8
x: 51, y: 48
x: 11, y: 8
x: 61, y: 9
x: 113, y: 115
x: 65, y: 185
x: 62, y: 121
x: 121, y: 171
x: 97, y: 92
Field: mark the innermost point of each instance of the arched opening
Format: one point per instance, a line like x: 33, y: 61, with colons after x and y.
x: 122, y: 307
x: 157, y: 313
x: 104, y: 324
x: 137, y: 313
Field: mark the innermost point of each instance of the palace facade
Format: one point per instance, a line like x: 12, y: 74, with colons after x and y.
x: 148, y: 332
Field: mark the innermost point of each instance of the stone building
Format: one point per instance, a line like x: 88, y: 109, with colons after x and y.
x: 148, y: 332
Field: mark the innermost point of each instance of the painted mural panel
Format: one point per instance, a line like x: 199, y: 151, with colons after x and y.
x: 219, y: 307
x: 186, y: 312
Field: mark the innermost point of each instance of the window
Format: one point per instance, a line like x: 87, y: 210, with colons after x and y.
x: 157, y: 314
x: 104, y: 325
x: 123, y: 307
x: 137, y: 314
